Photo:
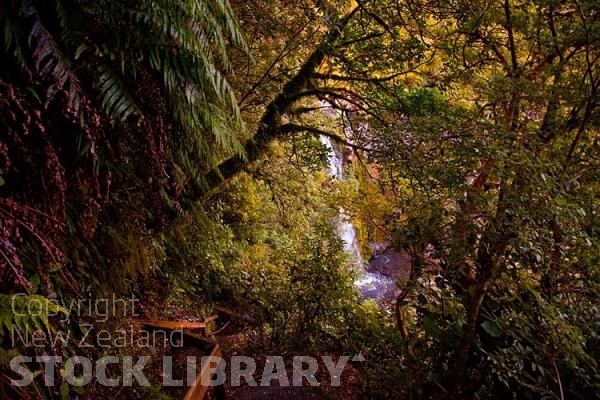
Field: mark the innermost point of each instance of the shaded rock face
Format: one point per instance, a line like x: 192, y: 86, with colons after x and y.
x: 391, y: 263
x: 379, y: 247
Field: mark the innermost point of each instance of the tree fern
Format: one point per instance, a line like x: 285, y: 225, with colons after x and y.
x: 195, y: 28
x: 137, y: 90
x: 185, y: 44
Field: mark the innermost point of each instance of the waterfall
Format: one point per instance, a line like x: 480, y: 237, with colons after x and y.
x: 335, y: 159
x: 342, y: 225
x: 370, y: 284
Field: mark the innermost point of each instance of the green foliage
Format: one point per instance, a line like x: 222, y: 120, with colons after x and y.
x: 26, y: 313
x: 480, y: 120
x: 372, y: 333
x: 257, y: 247
x: 490, y: 172
x: 302, y: 301
x: 119, y: 77
x: 286, y: 268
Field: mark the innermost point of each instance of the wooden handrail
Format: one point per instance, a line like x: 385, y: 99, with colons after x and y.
x: 172, y: 325
x: 197, y: 390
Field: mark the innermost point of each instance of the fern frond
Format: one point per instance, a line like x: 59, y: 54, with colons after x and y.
x: 26, y: 313
x: 9, y: 30
x: 196, y: 29
x: 116, y: 99
x: 51, y: 64
x: 6, y: 355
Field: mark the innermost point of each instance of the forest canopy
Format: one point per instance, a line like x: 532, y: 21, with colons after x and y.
x: 177, y: 151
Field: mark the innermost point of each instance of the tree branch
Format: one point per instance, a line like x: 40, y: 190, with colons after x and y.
x: 270, y: 123
x: 375, y: 17
x: 357, y: 78
x: 360, y: 39
x: 296, y: 128
x: 283, y: 53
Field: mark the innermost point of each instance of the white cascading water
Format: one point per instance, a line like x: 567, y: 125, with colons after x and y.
x: 343, y: 227
x: 371, y: 285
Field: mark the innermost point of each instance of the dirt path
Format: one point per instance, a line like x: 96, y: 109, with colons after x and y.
x: 348, y: 388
